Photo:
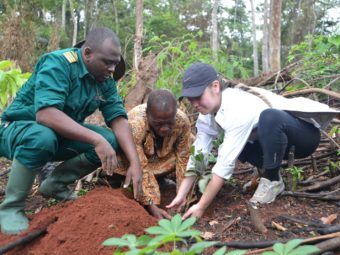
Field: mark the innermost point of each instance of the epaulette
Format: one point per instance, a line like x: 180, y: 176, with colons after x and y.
x: 71, y: 56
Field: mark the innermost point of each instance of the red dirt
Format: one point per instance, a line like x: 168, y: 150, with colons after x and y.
x: 84, y: 224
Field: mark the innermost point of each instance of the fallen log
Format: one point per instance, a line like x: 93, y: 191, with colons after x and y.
x: 311, y: 179
x: 329, y: 230
x: 314, y: 223
x: 328, y: 245
x: 320, y: 185
x: 326, y: 196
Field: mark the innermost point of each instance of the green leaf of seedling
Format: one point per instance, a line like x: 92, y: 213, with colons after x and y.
x: 279, y: 248
x: 143, y: 240
x: 304, y: 249
x: 156, y: 230
x: 187, y: 223
x: 176, y: 222
x: 292, y: 244
x: 189, y: 233
x: 271, y: 253
x: 199, y: 247
x: 133, y: 252
x: 220, y: 251
x: 115, y: 242
x: 166, y: 224
x: 237, y: 252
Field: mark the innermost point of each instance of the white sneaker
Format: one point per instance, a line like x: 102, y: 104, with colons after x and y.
x: 267, y: 191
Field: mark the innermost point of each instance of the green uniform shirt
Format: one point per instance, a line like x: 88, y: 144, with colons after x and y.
x: 61, y: 80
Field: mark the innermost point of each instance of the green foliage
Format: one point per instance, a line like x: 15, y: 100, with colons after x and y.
x: 319, y: 56
x: 202, y: 163
x: 168, y: 231
x: 333, y: 166
x: 11, y: 79
x: 174, y: 231
x: 52, y: 202
x: 335, y: 130
x: 200, y: 170
x: 296, y: 173
x: 82, y: 192
x: 171, y: 237
x: 174, y: 56
x: 292, y: 248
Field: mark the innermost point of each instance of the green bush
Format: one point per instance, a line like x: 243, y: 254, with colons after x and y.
x: 174, y: 56
x: 11, y: 79
x: 319, y: 56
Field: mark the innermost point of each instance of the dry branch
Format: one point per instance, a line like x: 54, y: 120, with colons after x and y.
x: 313, y: 90
x: 329, y: 230
x: 320, y: 185
x: 328, y: 245
x: 326, y: 196
x: 313, y: 223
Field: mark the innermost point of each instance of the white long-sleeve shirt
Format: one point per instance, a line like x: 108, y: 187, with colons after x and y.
x: 238, y: 116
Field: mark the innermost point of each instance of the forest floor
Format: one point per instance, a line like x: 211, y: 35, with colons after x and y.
x: 80, y: 227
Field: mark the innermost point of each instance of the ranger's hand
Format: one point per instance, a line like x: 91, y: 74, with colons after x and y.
x: 107, y: 155
x: 134, y: 173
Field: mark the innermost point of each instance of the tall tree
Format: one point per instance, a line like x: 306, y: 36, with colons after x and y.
x: 63, y: 15
x: 137, y: 55
x: 265, y: 38
x: 214, y: 33
x: 275, y: 35
x: 256, y: 61
x: 75, y: 22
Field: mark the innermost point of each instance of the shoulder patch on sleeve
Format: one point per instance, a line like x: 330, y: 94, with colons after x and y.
x: 71, y: 56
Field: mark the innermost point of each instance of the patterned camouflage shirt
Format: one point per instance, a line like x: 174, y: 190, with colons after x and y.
x: 171, y: 155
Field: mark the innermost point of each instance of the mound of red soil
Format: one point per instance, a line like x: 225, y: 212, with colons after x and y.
x: 82, y: 226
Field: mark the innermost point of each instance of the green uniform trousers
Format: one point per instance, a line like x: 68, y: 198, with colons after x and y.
x: 33, y: 145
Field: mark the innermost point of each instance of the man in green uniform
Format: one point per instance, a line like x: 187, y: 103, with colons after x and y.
x: 45, y: 123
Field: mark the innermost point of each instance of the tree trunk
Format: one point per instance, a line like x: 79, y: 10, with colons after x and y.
x: 75, y: 23
x: 214, y: 33
x: 137, y: 49
x: 115, y: 11
x: 265, y: 41
x: 63, y: 15
x: 146, y: 79
x: 256, y: 61
x: 275, y: 35
x: 85, y: 17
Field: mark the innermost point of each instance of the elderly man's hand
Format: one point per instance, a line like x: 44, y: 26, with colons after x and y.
x: 157, y: 212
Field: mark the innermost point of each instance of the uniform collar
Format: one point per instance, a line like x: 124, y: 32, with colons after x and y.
x: 82, y: 67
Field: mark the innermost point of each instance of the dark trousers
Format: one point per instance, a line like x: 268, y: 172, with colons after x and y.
x: 277, y: 131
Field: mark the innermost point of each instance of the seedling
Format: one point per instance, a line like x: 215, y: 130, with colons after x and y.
x: 292, y: 248
x: 296, y: 173
x: 175, y: 231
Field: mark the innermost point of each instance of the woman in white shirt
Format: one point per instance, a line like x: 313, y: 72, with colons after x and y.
x: 259, y: 127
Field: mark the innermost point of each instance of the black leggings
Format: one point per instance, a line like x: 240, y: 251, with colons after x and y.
x: 277, y: 131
